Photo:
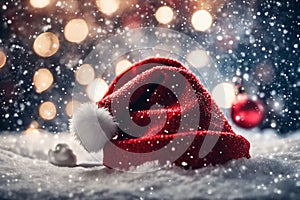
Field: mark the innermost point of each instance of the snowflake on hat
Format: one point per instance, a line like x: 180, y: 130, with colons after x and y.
x: 158, y: 110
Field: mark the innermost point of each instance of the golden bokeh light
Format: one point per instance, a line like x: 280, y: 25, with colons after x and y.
x: 42, y: 80
x: 2, y: 59
x: 32, y: 131
x: 33, y: 128
x: 199, y: 58
x: 202, y: 20
x: 76, y: 30
x: 96, y: 89
x: 39, y: 3
x: 108, y: 7
x: 164, y: 15
x: 47, y: 110
x: 72, y: 107
x: 122, y: 66
x: 34, y: 124
x: 46, y: 44
x: 224, y: 94
x: 85, y: 74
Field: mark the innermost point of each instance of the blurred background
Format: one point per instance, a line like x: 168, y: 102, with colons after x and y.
x: 254, y: 44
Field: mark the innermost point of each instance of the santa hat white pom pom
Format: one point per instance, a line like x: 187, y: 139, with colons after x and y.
x: 93, y: 126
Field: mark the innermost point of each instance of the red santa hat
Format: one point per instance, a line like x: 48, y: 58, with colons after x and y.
x: 158, y: 110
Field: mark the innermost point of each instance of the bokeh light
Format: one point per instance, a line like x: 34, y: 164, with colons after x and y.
x: 32, y: 131
x: 34, y: 124
x: 71, y: 107
x: 42, y: 80
x: 199, y: 58
x: 96, y: 89
x: 202, y: 20
x: 164, y: 14
x: 108, y: 7
x: 46, y: 44
x: 2, y: 59
x: 85, y: 74
x: 47, y: 110
x: 122, y: 66
x: 224, y: 94
x: 76, y: 30
x: 39, y: 3
x: 33, y: 128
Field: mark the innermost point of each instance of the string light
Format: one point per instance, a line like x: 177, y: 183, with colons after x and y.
x: 224, y: 94
x: 202, y: 20
x: 164, y: 15
x: 42, y: 80
x: 85, y: 74
x: 96, y: 89
x: 47, y: 110
x: 71, y: 107
x: 198, y: 58
x: 108, y: 7
x: 2, y: 59
x: 76, y: 30
x: 46, y: 44
x: 39, y: 3
x: 122, y: 66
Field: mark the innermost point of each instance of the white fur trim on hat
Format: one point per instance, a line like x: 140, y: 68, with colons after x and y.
x: 92, y: 126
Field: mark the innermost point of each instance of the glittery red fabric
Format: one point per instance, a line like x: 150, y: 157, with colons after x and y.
x: 164, y: 113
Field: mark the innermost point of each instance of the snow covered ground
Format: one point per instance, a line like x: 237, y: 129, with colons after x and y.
x: 273, y: 171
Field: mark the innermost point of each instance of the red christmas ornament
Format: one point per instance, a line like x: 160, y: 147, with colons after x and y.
x: 247, y: 113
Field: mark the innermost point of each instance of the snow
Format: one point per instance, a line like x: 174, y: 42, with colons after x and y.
x: 272, y: 172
